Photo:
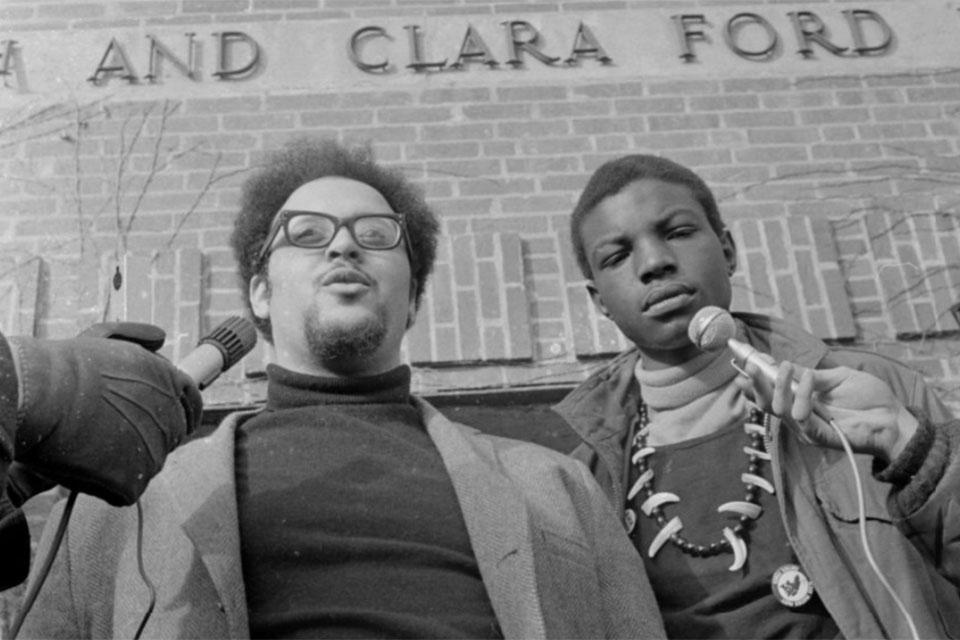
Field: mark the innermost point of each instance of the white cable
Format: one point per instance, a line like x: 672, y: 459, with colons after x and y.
x: 863, y: 532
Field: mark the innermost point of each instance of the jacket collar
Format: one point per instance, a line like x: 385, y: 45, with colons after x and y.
x: 201, y: 481
x: 601, y: 407
x: 496, y: 518
x: 495, y: 513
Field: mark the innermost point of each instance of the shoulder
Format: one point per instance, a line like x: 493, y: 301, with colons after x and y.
x: 513, y: 457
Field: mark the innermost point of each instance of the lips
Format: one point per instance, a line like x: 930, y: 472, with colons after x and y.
x: 345, y: 275
x: 665, y: 292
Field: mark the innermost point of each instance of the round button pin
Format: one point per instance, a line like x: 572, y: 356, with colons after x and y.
x: 791, y: 586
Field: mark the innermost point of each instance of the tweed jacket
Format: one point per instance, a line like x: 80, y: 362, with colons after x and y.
x: 552, y: 554
x: 919, y: 552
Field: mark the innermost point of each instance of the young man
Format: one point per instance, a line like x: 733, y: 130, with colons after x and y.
x: 347, y: 507
x: 748, y: 529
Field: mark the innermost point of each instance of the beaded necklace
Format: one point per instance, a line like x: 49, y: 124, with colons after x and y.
x: 651, y: 502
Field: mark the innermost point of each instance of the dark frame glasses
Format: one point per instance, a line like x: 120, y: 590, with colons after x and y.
x: 286, y: 216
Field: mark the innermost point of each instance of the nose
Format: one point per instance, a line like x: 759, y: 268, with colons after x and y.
x: 655, y: 260
x: 343, y: 244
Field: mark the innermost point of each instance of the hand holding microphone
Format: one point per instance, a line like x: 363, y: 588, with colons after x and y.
x: 819, y: 405
x: 99, y: 413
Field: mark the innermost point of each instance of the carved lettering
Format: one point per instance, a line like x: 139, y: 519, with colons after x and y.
x: 416, y: 55
x: 226, y: 41
x: 855, y: 19
x: 11, y: 66
x: 159, y: 51
x: 517, y: 45
x: 683, y: 24
x: 741, y: 20
x: 810, y: 30
x: 586, y: 45
x: 474, y: 49
x: 353, y: 50
x: 119, y: 65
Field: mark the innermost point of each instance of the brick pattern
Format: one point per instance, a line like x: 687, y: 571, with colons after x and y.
x: 836, y: 165
x: 788, y: 268
x: 475, y: 308
x: 907, y: 268
x: 164, y: 289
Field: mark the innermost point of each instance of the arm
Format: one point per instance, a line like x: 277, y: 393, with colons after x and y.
x: 915, y: 456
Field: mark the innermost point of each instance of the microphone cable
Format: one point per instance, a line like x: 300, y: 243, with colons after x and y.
x: 44, y: 571
x: 143, y: 574
x: 863, y: 531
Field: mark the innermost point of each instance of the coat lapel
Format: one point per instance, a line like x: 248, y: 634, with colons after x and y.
x: 204, y: 490
x: 497, y: 520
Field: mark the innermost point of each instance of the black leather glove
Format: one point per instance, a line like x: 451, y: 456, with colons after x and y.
x: 100, y: 415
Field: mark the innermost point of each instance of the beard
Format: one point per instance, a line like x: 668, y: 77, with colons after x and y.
x: 332, y: 341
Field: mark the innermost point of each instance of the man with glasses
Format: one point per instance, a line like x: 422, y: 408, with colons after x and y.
x: 347, y: 507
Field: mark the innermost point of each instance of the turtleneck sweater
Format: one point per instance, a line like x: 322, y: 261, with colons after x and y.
x: 696, y: 415
x: 349, y: 523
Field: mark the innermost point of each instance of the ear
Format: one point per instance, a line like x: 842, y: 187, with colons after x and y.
x: 729, y: 250
x: 597, y: 300
x: 411, y: 312
x: 260, y: 296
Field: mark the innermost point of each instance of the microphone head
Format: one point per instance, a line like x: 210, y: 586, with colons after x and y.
x: 235, y: 337
x: 711, y: 328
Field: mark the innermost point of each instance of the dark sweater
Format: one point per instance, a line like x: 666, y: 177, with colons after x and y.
x: 349, y: 524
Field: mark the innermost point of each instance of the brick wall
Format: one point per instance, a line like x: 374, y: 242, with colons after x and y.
x: 838, y: 185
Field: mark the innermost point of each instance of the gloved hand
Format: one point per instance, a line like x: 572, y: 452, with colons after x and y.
x: 99, y: 415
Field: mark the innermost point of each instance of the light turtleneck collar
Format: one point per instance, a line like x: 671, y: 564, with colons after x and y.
x: 288, y: 389
x: 675, y: 387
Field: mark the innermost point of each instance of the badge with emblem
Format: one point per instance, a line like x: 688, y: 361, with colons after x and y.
x: 629, y: 520
x: 791, y: 586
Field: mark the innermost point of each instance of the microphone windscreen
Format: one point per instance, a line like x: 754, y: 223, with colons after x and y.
x: 711, y: 328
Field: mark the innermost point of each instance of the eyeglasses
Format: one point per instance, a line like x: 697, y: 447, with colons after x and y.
x: 313, y: 230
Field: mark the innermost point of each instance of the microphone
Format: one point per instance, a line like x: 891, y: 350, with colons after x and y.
x: 219, y: 350
x: 713, y: 328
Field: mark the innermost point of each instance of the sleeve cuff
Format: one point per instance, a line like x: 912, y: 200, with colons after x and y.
x: 15, y: 543
x: 915, y: 473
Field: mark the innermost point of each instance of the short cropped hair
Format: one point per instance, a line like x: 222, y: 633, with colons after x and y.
x: 613, y: 176
x: 308, y: 159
